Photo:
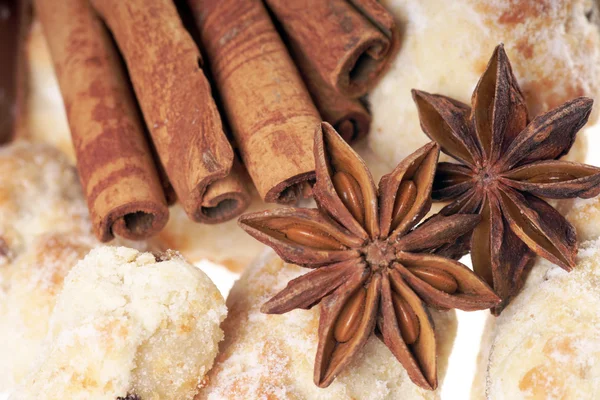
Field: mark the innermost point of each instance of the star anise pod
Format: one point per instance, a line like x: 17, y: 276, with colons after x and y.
x: 372, y: 266
x: 507, y: 163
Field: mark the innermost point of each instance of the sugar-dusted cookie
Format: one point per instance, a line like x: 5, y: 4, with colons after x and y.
x: 129, y: 323
x: 28, y: 290
x: 546, y: 343
x: 272, y: 356
x: 39, y: 193
x: 584, y: 214
x: 553, y: 45
x: 44, y: 231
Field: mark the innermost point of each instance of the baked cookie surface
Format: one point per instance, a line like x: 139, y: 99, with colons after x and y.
x: 546, y: 344
x: 44, y: 231
x: 129, y: 323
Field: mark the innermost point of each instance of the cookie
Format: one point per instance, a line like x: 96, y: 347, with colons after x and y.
x: 547, y: 341
x: 128, y: 322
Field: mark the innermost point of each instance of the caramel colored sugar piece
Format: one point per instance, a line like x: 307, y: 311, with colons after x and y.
x: 270, y: 112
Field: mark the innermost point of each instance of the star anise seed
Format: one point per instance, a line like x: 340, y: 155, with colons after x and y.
x: 506, y: 165
x: 373, y: 267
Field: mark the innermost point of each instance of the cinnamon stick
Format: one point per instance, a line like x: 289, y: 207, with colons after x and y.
x: 224, y: 197
x: 14, y: 24
x: 270, y: 111
x: 349, y: 117
x: 116, y: 169
x: 348, y: 44
x: 175, y: 97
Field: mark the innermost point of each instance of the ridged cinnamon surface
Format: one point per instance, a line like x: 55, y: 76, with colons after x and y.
x: 347, y: 44
x: 115, y: 165
x: 174, y: 95
x: 270, y: 112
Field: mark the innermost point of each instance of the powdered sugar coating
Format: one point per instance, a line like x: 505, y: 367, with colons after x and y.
x: 126, y: 322
x: 39, y: 193
x: 584, y: 214
x: 44, y: 231
x: 547, y: 342
x: 272, y: 356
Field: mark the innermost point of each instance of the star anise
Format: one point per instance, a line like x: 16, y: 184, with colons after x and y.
x: 506, y: 164
x: 373, y: 269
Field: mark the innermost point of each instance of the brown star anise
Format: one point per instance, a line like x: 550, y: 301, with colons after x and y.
x: 506, y: 164
x: 373, y: 268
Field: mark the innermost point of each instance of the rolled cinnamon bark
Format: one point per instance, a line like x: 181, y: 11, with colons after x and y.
x: 14, y: 24
x: 116, y: 169
x: 349, y: 117
x: 175, y: 97
x: 347, y: 43
x: 225, y: 197
x: 268, y: 106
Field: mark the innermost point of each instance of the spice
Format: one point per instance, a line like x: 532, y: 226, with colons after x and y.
x: 175, y: 98
x: 506, y: 163
x: 270, y: 112
x: 227, y: 197
x: 349, y: 117
x: 345, y: 44
x: 373, y: 268
x: 342, y: 48
x: 116, y: 168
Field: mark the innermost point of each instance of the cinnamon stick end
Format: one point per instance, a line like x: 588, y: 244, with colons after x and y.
x: 132, y: 221
x: 353, y: 126
x: 291, y: 190
x: 224, y: 199
x: 223, y: 208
